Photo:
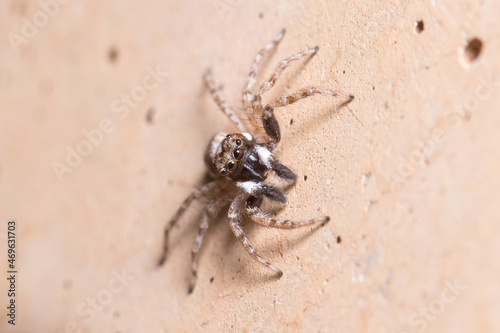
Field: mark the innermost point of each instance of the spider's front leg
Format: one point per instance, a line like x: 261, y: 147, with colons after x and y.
x: 269, y: 121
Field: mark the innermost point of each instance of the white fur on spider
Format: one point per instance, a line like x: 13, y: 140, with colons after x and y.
x: 248, y: 136
x: 215, y: 144
x: 265, y: 155
x: 250, y: 187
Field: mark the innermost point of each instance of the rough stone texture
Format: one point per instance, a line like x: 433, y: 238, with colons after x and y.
x: 408, y: 172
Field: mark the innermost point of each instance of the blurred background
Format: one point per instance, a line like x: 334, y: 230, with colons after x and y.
x: 104, y: 119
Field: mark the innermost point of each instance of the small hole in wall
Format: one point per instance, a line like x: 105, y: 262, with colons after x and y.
x: 67, y: 284
x: 339, y: 239
x: 419, y: 26
x: 112, y: 54
x: 472, y: 50
x: 150, y: 115
x: 305, y: 178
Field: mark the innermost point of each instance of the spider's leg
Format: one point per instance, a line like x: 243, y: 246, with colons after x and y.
x: 258, y: 216
x: 282, y: 171
x: 247, y: 96
x: 259, y: 190
x: 269, y: 121
x: 202, y: 229
x: 223, y: 105
x: 234, y: 224
x: 212, y: 210
x: 306, y: 92
x: 252, y: 76
x: 281, y: 67
x: 209, y: 188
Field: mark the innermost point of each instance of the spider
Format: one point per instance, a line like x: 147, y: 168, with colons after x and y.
x: 239, y: 163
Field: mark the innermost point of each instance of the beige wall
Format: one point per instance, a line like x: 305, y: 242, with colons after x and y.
x: 408, y: 172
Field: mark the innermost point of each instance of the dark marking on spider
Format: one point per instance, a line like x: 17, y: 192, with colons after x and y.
x: 239, y: 163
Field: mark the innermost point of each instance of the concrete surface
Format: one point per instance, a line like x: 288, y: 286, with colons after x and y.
x: 408, y: 172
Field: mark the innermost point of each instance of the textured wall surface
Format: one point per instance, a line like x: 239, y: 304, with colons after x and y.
x: 408, y: 171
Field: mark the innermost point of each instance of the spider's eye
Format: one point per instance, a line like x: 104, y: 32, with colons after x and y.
x: 223, y: 171
x: 238, y: 142
x: 232, y: 165
x: 238, y: 154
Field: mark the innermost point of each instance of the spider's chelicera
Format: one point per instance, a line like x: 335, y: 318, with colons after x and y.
x: 240, y: 163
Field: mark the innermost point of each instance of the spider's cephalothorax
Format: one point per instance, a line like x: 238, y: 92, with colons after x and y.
x: 240, y: 163
x: 236, y: 157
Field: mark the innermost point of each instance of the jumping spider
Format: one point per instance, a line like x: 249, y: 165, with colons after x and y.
x: 239, y: 163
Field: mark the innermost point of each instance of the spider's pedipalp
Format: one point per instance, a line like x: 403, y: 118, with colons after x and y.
x: 234, y: 225
x: 265, y: 156
x: 282, y: 171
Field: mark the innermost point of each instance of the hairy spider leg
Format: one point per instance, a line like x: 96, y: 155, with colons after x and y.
x: 209, y: 188
x: 234, y: 225
x: 213, y: 208
x: 247, y: 95
x: 223, y: 105
x: 279, y: 70
x: 269, y: 121
x: 259, y: 217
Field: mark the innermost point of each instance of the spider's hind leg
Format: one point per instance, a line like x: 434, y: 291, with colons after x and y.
x: 259, y: 217
x: 281, y: 67
x: 234, y: 225
x: 248, y: 97
x: 209, y: 188
x: 212, y: 209
x: 223, y: 105
x: 195, y: 250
